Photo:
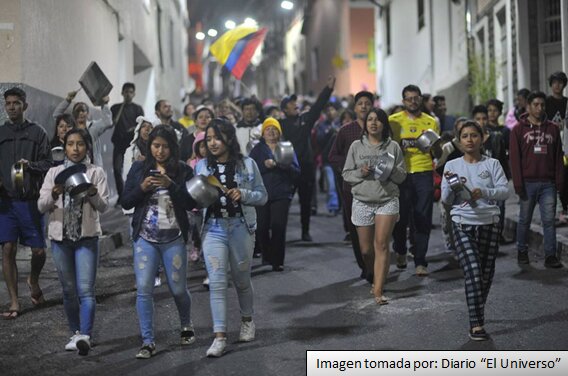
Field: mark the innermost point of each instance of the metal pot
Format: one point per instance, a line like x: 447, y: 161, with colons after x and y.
x: 284, y: 153
x: 427, y: 140
x: 201, y: 191
x: 58, y: 154
x: 384, y: 167
x: 18, y: 177
x: 78, y: 185
x: 457, y: 185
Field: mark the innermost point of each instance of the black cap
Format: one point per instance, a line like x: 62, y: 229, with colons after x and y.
x: 287, y: 99
x: 364, y: 93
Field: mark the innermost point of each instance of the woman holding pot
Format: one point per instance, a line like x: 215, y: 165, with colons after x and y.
x: 229, y: 226
x: 375, y: 194
x: 475, y: 219
x: 278, y: 179
x: 155, y: 188
x: 74, y: 229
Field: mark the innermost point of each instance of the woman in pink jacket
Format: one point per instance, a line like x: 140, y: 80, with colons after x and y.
x: 74, y: 229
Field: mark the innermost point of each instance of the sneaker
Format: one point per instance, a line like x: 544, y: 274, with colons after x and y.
x: 157, y: 281
x: 83, y: 344
x: 552, y: 262
x: 480, y: 335
x: 523, y: 258
x: 187, y: 335
x: 347, y: 238
x: 421, y: 271
x: 194, y: 254
x: 146, y: 351
x: 248, y: 330
x: 206, y: 283
x: 562, y: 219
x: 217, y: 347
x: 401, y: 261
x: 72, y: 345
x: 306, y: 237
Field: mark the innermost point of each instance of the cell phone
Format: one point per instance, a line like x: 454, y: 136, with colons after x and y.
x: 155, y: 173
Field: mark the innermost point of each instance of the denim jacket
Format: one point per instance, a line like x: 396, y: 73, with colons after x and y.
x: 249, y: 182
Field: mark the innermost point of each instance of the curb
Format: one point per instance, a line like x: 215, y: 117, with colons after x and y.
x: 536, y: 238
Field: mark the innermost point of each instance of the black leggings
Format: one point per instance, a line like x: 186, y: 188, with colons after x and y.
x: 271, y: 231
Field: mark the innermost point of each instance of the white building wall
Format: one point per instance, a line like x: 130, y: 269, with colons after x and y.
x: 434, y: 59
x: 294, y: 58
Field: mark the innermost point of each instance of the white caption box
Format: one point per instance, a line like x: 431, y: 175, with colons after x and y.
x: 426, y: 363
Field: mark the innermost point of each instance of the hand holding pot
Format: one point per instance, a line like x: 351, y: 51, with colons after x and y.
x: 234, y: 194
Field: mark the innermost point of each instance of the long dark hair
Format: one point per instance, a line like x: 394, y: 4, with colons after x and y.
x: 86, y: 138
x: 225, y: 132
x: 384, y: 119
x: 167, y: 133
x: 66, y: 118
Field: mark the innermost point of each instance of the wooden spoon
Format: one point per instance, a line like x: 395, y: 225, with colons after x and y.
x: 211, y: 179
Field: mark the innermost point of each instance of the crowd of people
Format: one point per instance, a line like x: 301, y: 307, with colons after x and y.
x: 373, y: 165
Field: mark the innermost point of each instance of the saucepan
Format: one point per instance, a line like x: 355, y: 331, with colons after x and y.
x: 457, y: 184
x: 202, y: 191
x: 75, y: 181
x: 427, y: 140
x: 284, y: 153
x: 57, y: 154
x: 384, y: 167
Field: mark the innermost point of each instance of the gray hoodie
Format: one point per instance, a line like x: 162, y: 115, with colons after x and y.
x: 369, y: 189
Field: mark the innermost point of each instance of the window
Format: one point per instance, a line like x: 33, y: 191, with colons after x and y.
x: 552, y: 22
x: 420, y: 14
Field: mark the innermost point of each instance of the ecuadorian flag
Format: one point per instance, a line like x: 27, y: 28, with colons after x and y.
x: 235, y: 48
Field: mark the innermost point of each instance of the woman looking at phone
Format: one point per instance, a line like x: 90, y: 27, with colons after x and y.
x: 155, y: 188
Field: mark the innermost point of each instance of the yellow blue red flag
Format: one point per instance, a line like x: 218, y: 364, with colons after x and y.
x: 235, y: 48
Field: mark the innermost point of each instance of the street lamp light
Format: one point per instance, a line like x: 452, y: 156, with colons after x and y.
x: 250, y: 22
x: 199, y: 35
x: 288, y: 5
x: 230, y: 24
x: 212, y: 32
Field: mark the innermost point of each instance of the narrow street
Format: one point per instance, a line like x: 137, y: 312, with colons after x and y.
x: 317, y: 303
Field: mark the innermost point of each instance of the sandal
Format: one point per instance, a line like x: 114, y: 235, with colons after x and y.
x: 381, y: 300
x: 10, y: 314
x: 37, y: 299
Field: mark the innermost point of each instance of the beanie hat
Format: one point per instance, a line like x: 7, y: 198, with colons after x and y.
x: 270, y: 122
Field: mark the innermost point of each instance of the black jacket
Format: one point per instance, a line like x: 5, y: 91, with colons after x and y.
x: 134, y: 197
x: 297, y: 129
x: 126, y: 124
x: 25, y: 141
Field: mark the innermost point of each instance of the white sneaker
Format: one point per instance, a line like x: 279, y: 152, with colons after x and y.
x: 72, y: 345
x: 217, y: 347
x: 158, y: 281
x: 248, y: 330
x: 83, y: 344
x: 206, y: 283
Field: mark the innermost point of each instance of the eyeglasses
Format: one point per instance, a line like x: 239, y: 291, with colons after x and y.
x: 416, y: 98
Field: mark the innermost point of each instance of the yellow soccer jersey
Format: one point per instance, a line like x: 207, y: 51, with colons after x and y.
x: 405, y: 131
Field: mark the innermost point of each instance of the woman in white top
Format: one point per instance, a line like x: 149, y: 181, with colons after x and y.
x: 475, y: 219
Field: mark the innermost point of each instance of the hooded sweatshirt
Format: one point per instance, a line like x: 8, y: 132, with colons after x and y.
x: 368, y: 189
x: 536, y: 154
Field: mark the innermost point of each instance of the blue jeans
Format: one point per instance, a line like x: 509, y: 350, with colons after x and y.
x: 76, y: 264
x: 543, y: 193
x: 227, y: 241
x: 416, y: 199
x: 332, y: 198
x: 147, y: 258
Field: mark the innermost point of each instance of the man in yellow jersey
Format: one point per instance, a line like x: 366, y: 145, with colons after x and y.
x: 417, y: 191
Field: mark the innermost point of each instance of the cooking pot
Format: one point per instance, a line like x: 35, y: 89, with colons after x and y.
x: 75, y: 181
x: 251, y: 144
x: 383, y: 168
x: 18, y: 177
x: 284, y: 153
x: 457, y: 185
x: 201, y: 191
x: 57, y: 154
x: 427, y: 140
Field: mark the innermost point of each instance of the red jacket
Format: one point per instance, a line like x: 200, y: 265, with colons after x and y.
x: 526, y: 165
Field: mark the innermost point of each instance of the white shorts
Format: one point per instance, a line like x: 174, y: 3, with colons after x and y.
x: 363, y: 213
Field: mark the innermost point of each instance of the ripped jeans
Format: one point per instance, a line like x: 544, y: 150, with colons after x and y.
x: 147, y: 257
x: 227, y: 242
